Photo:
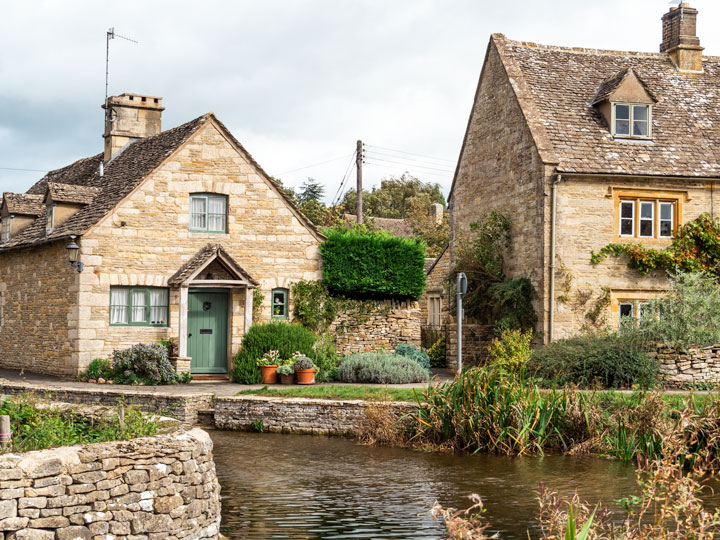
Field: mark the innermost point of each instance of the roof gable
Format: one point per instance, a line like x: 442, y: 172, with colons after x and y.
x: 204, y: 258
x: 624, y: 86
x: 69, y: 193
x: 22, y: 204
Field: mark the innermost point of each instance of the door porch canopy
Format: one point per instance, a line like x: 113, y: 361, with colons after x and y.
x: 196, y: 274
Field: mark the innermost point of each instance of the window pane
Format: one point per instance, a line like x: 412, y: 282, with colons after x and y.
x: 198, y: 213
x: 666, y: 210
x: 640, y: 128
x: 158, y: 306
x: 640, y: 113
x: 138, y: 306
x: 646, y: 219
x: 279, y: 307
x: 119, y: 306
x: 622, y: 127
x: 626, y: 209
x: 626, y: 227
x: 622, y: 112
x: 646, y: 228
x: 646, y: 209
x: 627, y: 218
x: 626, y: 310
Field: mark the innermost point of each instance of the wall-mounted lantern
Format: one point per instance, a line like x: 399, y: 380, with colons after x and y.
x: 74, y: 254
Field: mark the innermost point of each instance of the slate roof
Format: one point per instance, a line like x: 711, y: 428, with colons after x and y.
x: 23, y: 204
x: 556, y: 87
x: 202, y: 258
x: 71, y: 193
x: 123, y: 173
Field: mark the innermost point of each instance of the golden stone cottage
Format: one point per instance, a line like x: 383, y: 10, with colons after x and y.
x: 175, y: 231
x: 584, y: 147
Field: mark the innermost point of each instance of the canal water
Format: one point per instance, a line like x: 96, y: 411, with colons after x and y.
x: 304, y: 487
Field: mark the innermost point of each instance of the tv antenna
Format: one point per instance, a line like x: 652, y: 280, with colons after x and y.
x: 110, y: 35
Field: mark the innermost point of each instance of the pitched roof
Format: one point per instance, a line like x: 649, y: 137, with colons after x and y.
x: 23, y: 204
x: 69, y: 193
x: 202, y: 259
x: 609, y: 85
x: 562, y: 83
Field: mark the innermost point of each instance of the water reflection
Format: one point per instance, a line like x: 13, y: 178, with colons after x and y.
x: 302, y: 487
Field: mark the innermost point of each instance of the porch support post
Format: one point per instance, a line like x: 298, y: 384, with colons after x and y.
x: 248, y: 308
x: 183, y: 324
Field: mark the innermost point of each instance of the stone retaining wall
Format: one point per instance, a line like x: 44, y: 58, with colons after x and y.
x: 299, y: 415
x: 385, y: 327
x: 183, y: 408
x: 476, y: 338
x: 695, y: 366
x: 153, y: 488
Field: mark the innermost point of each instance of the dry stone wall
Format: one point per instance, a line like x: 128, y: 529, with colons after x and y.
x: 694, y: 367
x: 153, y: 488
x: 388, y: 324
x: 476, y: 338
x: 298, y: 415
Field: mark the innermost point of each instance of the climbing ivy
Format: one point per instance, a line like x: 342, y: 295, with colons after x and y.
x: 696, y: 248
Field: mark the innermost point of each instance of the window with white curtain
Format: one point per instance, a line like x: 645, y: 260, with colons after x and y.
x: 208, y: 212
x: 139, y: 306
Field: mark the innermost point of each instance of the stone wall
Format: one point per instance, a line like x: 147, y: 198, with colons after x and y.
x: 38, y: 311
x: 388, y: 324
x: 476, y: 338
x: 297, y: 415
x: 184, y: 408
x: 435, y: 285
x: 153, y: 488
x: 693, y: 367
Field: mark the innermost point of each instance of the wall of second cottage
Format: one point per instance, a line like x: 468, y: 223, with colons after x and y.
x: 38, y: 311
x: 146, y: 239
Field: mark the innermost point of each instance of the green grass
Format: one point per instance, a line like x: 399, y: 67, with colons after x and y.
x: 337, y: 391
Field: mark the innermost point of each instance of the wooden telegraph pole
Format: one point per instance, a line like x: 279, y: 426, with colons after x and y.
x: 359, y: 162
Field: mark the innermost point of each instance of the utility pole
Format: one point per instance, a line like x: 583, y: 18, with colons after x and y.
x: 358, y: 163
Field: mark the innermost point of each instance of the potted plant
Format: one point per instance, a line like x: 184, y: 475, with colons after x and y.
x: 287, y: 373
x: 304, y: 369
x: 268, y: 367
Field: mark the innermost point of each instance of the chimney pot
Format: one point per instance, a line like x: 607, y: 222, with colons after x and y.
x: 129, y: 119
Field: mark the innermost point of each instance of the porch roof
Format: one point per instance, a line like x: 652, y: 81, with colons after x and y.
x: 187, y: 273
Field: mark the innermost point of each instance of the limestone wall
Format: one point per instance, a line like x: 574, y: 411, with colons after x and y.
x: 476, y: 338
x: 435, y: 285
x: 684, y: 369
x: 297, y: 415
x: 161, y: 487
x: 38, y: 312
x: 388, y: 324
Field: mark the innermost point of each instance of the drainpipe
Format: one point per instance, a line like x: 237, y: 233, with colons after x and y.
x: 553, y: 215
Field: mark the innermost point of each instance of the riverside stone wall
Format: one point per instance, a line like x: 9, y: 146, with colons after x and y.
x: 298, y: 415
x: 153, y: 488
x: 695, y: 366
x: 387, y: 324
x: 184, y: 407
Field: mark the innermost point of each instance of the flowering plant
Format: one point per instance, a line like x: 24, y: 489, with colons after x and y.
x: 270, y: 358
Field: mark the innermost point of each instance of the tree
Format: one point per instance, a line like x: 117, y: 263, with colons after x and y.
x: 311, y: 190
x: 435, y: 235
x: 393, y: 198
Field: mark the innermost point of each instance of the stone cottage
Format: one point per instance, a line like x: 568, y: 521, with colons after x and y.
x: 584, y: 147
x: 170, y: 233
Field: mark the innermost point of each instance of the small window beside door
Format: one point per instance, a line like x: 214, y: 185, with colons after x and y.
x: 279, y: 303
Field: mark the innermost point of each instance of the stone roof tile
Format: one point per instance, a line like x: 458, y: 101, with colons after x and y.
x: 70, y: 193
x: 23, y: 204
x: 202, y: 258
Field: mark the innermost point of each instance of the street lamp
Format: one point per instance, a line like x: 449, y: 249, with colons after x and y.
x: 74, y: 254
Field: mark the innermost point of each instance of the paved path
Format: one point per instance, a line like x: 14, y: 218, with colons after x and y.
x: 219, y: 388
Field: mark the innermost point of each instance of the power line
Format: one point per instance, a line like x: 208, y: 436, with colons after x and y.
x: 16, y: 169
x: 409, y: 165
x: 410, y: 159
x: 440, y: 175
x: 348, y: 170
x: 413, y: 153
x: 314, y: 165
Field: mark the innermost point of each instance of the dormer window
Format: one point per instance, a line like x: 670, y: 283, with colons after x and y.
x: 5, y: 229
x: 50, y: 225
x: 631, y: 120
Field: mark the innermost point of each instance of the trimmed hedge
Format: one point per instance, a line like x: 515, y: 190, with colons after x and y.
x: 380, y: 368
x: 373, y: 265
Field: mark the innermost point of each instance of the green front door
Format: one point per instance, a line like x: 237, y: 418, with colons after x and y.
x: 208, y: 331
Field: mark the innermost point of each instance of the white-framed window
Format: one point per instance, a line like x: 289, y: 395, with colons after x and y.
x: 50, y: 225
x: 208, y: 212
x: 139, y: 306
x: 5, y: 229
x: 632, y: 120
x: 280, y: 303
x: 434, y: 310
x: 636, y: 309
x: 647, y: 218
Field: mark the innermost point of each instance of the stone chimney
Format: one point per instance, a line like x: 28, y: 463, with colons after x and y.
x: 680, y: 39
x: 131, y: 116
x: 436, y: 212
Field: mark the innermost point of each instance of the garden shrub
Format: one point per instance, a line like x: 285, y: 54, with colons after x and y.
x: 410, y: 351
x: 99, y: 368
x: 380, y: 368
x: 286, y: 338
x: 511, y: 351
x: 593, y: 361
x: 366, y: 264
x: 438, y: 353
x: 143, y: 363
x: 325, y: 357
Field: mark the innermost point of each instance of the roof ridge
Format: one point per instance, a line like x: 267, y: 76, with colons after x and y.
x: 577, y: 50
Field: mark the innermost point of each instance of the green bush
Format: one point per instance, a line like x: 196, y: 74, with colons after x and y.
x: 99, y: 368
x: 380, y: 368
x: 143, y: 363
x: 511, y: 351
x: 593, y: 361
x: 438, y: 353
x: 325, y: 357
x: 410, y: 351
x: 287, y: 338
x: 363, y: 264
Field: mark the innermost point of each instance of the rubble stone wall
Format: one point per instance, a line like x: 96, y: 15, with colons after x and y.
x: 153, y: 488
x: 680, y: 369
x: 476, y: 338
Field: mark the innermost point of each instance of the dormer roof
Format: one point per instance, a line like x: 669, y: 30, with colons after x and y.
x: 22, y: 204
x: 625, y: 79
x: 70, y: 194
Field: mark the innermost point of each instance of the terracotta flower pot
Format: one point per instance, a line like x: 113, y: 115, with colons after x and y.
x: 269, y: 374
x: 305, y: 376
x: 287, y: 379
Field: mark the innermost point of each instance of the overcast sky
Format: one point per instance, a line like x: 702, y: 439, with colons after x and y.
x: 296, y: 81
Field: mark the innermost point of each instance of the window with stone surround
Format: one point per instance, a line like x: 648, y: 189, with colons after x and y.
x: 208, y: 212
x: 139, y: 306
x: 5, y: 228
x: 434, y: 310
x: 279, y: 303
x: 645, y: 217
x: 635, y: 309
x: 632, y: 120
